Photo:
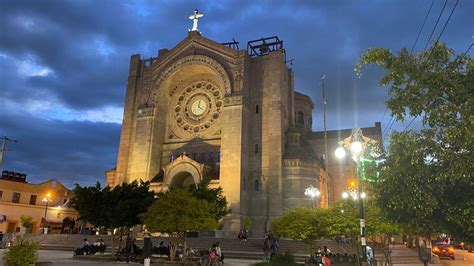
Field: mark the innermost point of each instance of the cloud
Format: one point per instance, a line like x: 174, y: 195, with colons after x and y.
x: 64, y: 64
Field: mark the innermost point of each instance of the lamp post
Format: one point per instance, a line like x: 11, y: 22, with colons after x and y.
x: 356, y: 144
x: 312, y: 192
x: 46, y: 199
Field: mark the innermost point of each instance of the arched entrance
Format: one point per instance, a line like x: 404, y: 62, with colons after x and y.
x: 183, y: 172
x: 182, y: 179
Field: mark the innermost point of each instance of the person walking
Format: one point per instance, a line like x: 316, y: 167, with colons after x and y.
x: 147, y: 245
x: 266, y: 249
x: 219, y: 253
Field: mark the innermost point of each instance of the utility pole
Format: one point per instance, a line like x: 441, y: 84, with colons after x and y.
x: 326, y: 157
x: 4, y: 149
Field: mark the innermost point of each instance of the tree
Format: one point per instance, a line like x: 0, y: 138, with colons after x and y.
x: 214, y: 196
x: 309, y: 224
x: 427, y: 181
x: 119, y: 207
x: 26, y: 221
x: 300, y: 223
x: 177, y: 211
x: 112, y: 208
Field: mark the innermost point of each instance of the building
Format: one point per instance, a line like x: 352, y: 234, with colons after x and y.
x: 46, y: 203
x: 209, y: 110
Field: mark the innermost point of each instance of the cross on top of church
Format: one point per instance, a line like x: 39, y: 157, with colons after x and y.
x: 194, y: 17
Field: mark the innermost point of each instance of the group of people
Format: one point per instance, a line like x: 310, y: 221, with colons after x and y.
x: 323, y: 256
x: 270, y: 246
x: 242, y: 236
x: 215, y: 253
x: 87, y: 248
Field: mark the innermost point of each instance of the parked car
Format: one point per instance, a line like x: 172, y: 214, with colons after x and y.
x: 443, y: 250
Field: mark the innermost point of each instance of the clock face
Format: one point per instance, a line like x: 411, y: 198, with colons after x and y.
x: 198, y: 107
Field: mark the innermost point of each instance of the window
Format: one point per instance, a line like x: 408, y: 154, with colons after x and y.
x: 33, y: 199
x: 219, y: 156
x: 300, y: 118
x: 256, y: 109
x: 1, y: 194
x: 257, y: 185
x: 16, y: 197
x: 256, y: 148
x: 210, y: 157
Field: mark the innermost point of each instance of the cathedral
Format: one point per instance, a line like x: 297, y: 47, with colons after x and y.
x: 207, y: 110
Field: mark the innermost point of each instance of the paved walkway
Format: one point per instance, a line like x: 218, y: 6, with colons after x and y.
x: 59, y: 258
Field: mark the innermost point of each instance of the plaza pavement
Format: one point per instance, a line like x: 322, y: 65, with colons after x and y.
x: 59, y: 258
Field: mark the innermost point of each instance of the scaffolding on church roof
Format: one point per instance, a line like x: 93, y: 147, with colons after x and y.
x: 233, y: 44
x: 263, y: 46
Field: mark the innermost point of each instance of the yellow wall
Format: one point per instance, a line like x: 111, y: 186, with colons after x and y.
x: 13, y: 211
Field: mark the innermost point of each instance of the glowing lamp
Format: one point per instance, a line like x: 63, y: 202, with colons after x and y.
x: 356, y: 147
x: 345, y: 195
x: 340, y: 153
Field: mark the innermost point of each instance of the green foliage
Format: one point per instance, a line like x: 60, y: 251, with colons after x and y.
x: 177, y: 211
x: 280, y: 259
x: 214, y: 196
x: 309, y: 224
x: 26, y: 221
x: 247, y: 223
x: 22, y: 253
x: 427, y: 181
x: 300, y: 223
x: 112, y: 208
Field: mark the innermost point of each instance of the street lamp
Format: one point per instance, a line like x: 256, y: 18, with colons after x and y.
x: 46, y: 199
x: 312, y: 192
x: 356, y: 143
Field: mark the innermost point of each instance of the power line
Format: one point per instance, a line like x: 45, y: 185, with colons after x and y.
x: 469, y: 48
x: 422, y: 26
x: 410, y: 123
x: 436, y: 42
x: 434, y: 28
x: 392, y: 118
x: 447, y: 21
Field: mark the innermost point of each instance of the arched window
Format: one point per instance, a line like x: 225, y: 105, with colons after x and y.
x: 256, y: 148
x: 256, y: 109
x: 257, y: 185
x: 300, y: 118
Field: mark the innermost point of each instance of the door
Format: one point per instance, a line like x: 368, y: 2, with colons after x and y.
x: 11, y: 227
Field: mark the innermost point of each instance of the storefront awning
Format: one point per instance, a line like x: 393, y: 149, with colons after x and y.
x: 51, y: 222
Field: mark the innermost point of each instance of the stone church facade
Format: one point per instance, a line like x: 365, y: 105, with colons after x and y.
x: 205, y: 110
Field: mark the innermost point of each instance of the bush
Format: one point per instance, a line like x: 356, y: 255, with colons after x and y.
x: 280, y: 260
x: 22, y: 253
